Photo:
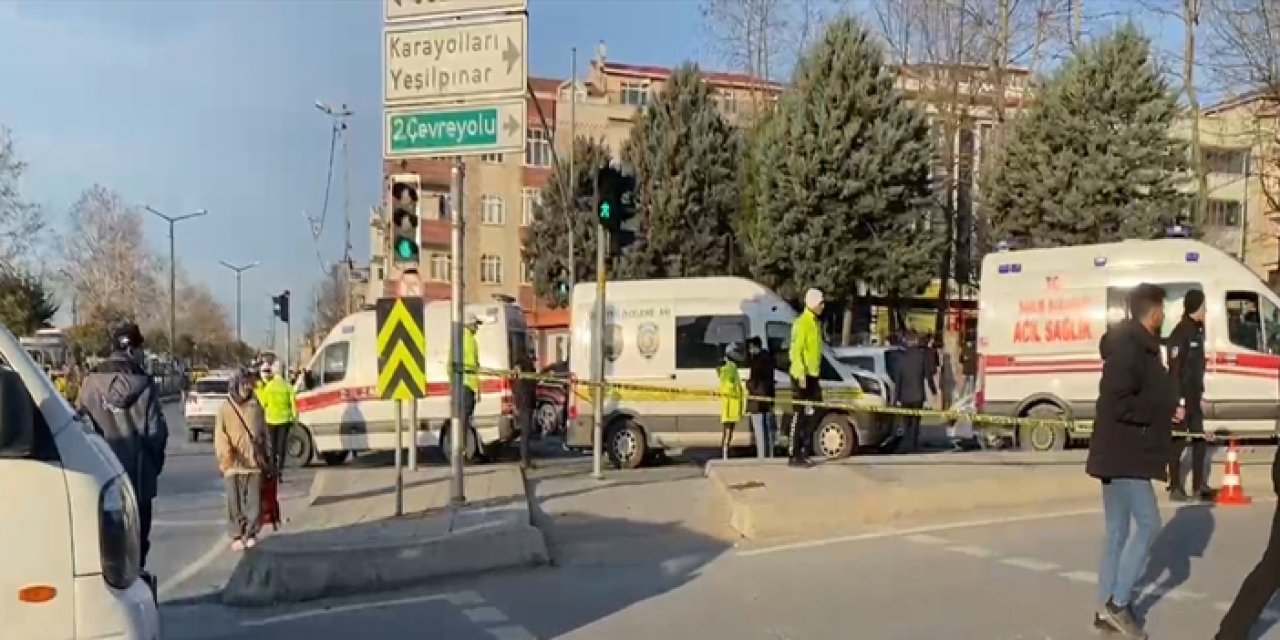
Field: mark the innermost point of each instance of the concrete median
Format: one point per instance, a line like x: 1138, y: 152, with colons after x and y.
x: 348, y: 542
x: 770, y: 501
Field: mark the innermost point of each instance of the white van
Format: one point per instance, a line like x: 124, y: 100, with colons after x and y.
x: 71, y: 560
x: 673, y: 333
x: 1042, y: 313
x: 338, y: 408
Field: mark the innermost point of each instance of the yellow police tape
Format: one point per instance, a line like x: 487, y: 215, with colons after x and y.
x: 642, y: 392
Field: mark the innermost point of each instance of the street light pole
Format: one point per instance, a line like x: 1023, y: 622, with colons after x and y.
x: 339, y: 115
x: 238, y: 270
x: 173, y: 271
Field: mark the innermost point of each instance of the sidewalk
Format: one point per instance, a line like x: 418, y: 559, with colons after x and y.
x: 348, y: 540
x: 770, y: 501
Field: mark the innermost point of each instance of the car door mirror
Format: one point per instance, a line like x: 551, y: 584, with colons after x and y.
x: 17, y: 417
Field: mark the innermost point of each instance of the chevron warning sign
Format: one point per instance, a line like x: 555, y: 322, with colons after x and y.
x: 402, y: 348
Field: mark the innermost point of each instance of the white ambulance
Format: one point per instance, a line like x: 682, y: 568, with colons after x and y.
x: 338, y: 408
x: 70, y: 567
x: 1042, y: 313
x: 673, y: 333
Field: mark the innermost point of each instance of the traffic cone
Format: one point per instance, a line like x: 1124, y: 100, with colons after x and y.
x: 1232, y: 493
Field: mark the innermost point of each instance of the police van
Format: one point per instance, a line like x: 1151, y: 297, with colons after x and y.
x: 71, y: 561
x: 1042, y: 313
x: 339, y: 411
x: 673, y: 333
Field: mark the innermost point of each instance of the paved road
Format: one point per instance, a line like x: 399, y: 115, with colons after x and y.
x: 620, y: 578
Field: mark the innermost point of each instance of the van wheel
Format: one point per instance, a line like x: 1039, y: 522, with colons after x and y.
x: 835, y: 437
x: 470, y: 448
x: 1043, y: 437
x: 298, y: 448
x: 626, y: 444
x: 547, y: 419
x: 334, y: 458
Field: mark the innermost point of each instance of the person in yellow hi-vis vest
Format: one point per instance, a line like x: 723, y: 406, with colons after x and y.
x: 470, y: 373
x: 280, y: 409
x: 806, y: 363
x: 733, y: 397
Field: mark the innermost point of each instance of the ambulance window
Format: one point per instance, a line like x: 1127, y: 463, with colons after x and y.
x: 1245, y: 326
x: 1174, y: 292
x: 333, y: 362
x: 701, y: 340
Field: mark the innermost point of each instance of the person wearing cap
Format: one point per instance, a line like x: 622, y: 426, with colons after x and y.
x: 732, y: 396
x: 805, y: 367
x: 124, y: 404
x: 470, y: 369
x: 1185, y: 346
x: 279, y: 410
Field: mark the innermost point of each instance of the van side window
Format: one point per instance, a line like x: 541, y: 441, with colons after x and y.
x: 1174, y: 292
x: 333, y: 362
x: 1253, y: 322
x: 827, y: 371
x: 778, y: 336
x: 701, y: 340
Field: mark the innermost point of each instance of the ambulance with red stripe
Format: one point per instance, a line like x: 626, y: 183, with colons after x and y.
x: 1043, y: 311
x: 339, y: 412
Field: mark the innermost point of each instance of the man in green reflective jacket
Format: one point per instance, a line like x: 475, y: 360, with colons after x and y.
x: 279, y: 407
x: 806, y: 365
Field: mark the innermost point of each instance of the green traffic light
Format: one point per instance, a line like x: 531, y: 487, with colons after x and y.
x: 405, y: 249
x: 604, y: 210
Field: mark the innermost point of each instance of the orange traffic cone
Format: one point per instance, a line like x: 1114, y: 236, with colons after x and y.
x: 1232, y: 493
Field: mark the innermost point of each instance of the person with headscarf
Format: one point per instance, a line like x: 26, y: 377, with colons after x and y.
x: 240, y: 443
x: 1185, y: 345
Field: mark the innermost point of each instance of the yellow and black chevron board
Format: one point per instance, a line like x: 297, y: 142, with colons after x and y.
x: 402, y: 348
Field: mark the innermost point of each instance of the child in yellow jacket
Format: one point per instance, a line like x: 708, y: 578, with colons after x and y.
x: 733, y: 397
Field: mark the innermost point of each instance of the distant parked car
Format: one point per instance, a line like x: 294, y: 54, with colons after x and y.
x: 202, y: 405
x: 880, y: 360
x: 551, y: 406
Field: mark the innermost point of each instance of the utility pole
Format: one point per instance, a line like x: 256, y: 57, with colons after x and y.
x: 339, y: 116
x: 173, y: 270
x: 598, y: 339
x: 1077, y: 19
x: 572, y: 197
x: 457, y: 430
x: 239, y: 270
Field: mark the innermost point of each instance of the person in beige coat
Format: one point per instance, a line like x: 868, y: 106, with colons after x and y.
x: 240, y: 441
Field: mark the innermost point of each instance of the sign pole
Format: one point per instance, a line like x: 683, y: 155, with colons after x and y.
x: 413, y: 435
x: 399, y: 457
x: 457, y: 434
x: 597, y: 445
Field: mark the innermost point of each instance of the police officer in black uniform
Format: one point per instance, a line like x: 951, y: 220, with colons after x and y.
x: 1186, y: 366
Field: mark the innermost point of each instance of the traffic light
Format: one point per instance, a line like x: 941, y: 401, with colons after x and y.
x: 615, y: 207
x: 404, y: 231
x: 281, y: 306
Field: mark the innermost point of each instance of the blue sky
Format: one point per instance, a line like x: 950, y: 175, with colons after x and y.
x: 188, y: 104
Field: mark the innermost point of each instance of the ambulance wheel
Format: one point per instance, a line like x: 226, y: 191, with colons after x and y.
x: 334, y: 458
x: 298, y: 448
x: 1043, y: 437
x: 626, y: 444
x: 835, y: 437
x: 470, y: 449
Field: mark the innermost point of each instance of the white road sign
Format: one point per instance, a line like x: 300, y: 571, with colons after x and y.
x: 455, y: 61
x: 398, y: 10
x: 455, y: 130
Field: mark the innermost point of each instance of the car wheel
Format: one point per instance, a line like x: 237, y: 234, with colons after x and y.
x: 547, y: 418
x: 835, y: 437
x: 470, y: 449
x: 334, y: 458
x: 1043, y: 437
x: 298, y: 448
x: 626, y: 444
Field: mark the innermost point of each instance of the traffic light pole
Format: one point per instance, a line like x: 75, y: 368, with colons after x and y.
x: 597, y: 436
x: 457, y: 434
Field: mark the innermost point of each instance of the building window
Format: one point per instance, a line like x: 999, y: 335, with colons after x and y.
x: 1228, y: 162
x: 537, y: 149
x: 491, y: 158
x: 526, y: 272
x: 491, y: 269
x: 634, y: 93
x: 440, y: 268
x: 435, y: 206
x: 1223, y: 213
x: 529, y: 199
x: 728, y: 102
x: 492, y: 210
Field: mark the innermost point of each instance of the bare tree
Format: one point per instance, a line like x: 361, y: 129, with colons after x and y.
x: 108, y: 268
x: 202, y: 316
x: 22, y: 223
x: 329, y: 302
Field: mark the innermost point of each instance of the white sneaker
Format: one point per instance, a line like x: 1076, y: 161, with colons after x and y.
x: 250, y: 543
x: 237, y: 545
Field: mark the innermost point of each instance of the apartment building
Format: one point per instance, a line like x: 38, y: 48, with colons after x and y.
x: 1238, y: 138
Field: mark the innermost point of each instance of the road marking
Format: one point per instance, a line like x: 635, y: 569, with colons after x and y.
x: 924, y: 538
x: 218, y: 548
x: 976, y: 552
x: 512, y: 633
x: 485, y: 615
x: 1030, y: 564
x: 1087, y: 577
x: 464, y: 599
x: 187, y: 523
x: 346, y: 608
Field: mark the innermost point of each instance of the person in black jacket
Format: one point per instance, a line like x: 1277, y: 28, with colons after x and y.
x: 525, y: 400
x: 911, y: 377
x: 1263, y: 581
x: 761, y: 384
x: 1129, y: 448
x: 1186, y: 366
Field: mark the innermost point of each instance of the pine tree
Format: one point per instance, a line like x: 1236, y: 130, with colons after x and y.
x: 1093, y: 160
x: 547, y: 247
x: 685, y: 158
x: 26, y: 304
x: 844, y: 187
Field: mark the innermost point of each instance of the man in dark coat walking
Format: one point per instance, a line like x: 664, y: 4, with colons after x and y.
x: 1129, y: 448
x: 911, y: 377
x: 1261, y: 584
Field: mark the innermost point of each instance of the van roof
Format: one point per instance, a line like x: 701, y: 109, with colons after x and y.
x: 680, y: 288
x: 1128, y: 253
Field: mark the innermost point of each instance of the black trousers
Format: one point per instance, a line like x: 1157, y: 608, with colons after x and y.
x: 279, y: 445
x: 144, y: 529
x: 1256, y: 591
x: 910, y: 426
x: 1193, y: 422
x: 803, y: 418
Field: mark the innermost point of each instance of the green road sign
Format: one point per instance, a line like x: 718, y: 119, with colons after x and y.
x: 455, y: 130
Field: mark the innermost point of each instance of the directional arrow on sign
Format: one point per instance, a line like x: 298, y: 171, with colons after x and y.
x: 512, y: 55
x: 511, y: 125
